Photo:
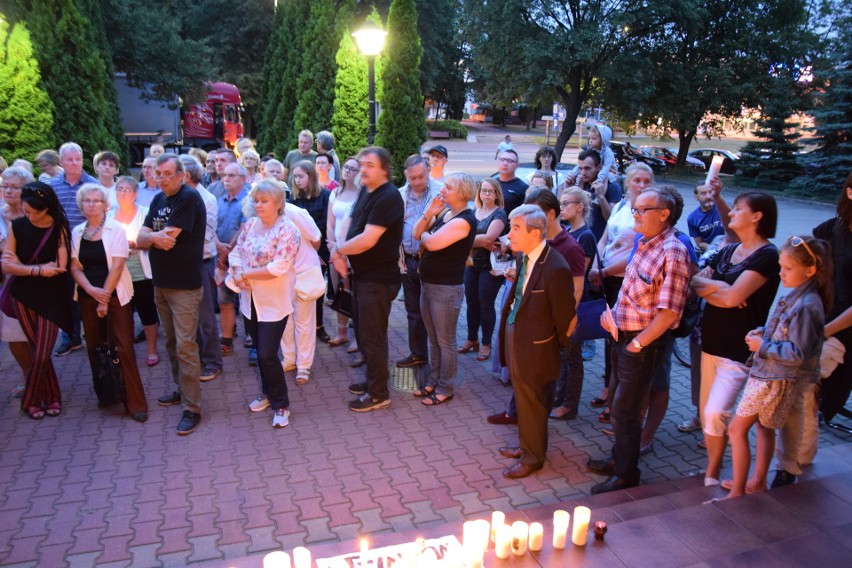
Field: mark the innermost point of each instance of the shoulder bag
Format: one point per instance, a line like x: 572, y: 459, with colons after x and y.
x: 6, y: 303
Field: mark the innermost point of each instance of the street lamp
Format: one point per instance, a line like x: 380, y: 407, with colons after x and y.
x: 370, y: 39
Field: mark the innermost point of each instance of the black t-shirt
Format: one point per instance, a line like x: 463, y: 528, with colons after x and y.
x: 481, y: 257
x: 180, y: 267
x: 446, y: 266
x: 382, y: 207
x: 514, y: 192
x: 317, y: 207
x: 95, y: 266
x: 840, y: 238
x: 723, y: 330
x: 586, y: 238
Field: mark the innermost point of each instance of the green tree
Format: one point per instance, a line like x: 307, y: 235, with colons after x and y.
x: 270, y: 90
x: 296, y: 13
x: 401, y: 125
x: 329, y: 20
x: 26, y: 121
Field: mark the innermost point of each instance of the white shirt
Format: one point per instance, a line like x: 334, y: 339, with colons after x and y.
x: 131, y: 231
x: 115, y: 245
x: 307, y: 256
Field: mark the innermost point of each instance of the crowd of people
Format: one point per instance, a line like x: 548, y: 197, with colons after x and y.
x: 276, y: 241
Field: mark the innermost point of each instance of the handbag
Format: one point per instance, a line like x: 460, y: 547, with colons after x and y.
x: 342, y: 302
x: 108, y: 380
x: 310, y: 284
x: 690, y: 317
x: 6, y: 304
x: 589, y: 320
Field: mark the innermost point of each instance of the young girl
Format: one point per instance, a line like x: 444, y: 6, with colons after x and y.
x: 785, y: 352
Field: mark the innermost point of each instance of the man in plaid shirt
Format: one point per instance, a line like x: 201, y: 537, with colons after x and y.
x: 649, y: 305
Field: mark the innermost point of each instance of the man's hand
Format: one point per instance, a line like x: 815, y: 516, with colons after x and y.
x: 600, y: 187
x: 163, y: 241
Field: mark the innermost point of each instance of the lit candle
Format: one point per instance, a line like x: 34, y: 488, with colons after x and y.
x: 469, y: 535
x: 498, y: 519
x: 364, y: 545
x: 520, y: 534
x: 561, y: 519
x: 277, y: 559
x: 581, y: 525
x: 301, y: 557
x: 714, y: 169
x: 600, y: 530
x: 483, y: 533
x: 536, y: 536
x: 503, y: 546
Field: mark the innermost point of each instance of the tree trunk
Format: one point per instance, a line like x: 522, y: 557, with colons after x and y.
x: 573, y: 104
x: 684, y: 137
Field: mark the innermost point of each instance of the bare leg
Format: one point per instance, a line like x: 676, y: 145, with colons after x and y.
x: 227, y: 318
x: 21, y: 352
x: 762, y: 458
x: 741, y: 452
x: 715, y: 453
x: 151, y: 337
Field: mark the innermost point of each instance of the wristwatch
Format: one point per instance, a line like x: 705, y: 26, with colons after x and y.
x: 636, y: 345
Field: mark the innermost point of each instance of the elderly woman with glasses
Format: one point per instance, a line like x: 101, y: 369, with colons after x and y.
x: 99, y: 251
x: 36, y: 255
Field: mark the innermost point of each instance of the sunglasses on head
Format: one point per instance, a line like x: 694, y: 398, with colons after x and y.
x: 799, y: 241
x: 37, y: 191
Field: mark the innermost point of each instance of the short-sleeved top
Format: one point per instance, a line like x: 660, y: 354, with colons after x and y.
x: 682, y: 237
x: 67, y: 195
x: 587, y: 241
x: 705, y: 224
x: 178, y: 268
x: 382, y: 207
x: 229, y: 215
x: 597, y: 223
x: 317, y: 207
x: 481, y: 257
x: 514, y: 192
x: 723, y: 330
x: 292, y: 158
x: 840, y: 237
x: 570, y: 250
x: 446, y: 266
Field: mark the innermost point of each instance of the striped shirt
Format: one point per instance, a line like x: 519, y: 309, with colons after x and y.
x: 67, y: 195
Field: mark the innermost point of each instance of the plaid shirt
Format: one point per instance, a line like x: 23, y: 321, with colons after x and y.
x: 657, y: 278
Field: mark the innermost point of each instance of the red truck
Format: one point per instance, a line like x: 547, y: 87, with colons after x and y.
x: 208, y: 125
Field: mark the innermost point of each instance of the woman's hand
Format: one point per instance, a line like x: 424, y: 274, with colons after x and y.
x: 51, y: 269
x: 754, y: 339
x: 99, y: 294
x: 102, y: 310
x: 435, y: 206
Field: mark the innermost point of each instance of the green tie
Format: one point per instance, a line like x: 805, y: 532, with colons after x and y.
x: 519, y: 291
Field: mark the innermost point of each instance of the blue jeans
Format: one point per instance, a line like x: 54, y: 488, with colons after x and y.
x: 480, y: 290
x: 440, y: 305
x: 411, y: 292
x: 630, y: 386
x: 372, y: 306
x: 267, y: 337
x: 178, y: 311
x: 208, y: 327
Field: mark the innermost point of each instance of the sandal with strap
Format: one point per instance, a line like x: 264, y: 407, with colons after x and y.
x: 303, y: 376
x: 54, y: 409
x: 424, y: 392
x: 468, y: 347
x: 35, y: 413
x: 433, y: 400
x: 484, y: 353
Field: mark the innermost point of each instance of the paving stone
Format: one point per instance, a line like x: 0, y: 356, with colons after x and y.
x: 204, y: 548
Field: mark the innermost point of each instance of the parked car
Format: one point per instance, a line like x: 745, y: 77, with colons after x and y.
x: 669, y: 156
x: 626, y: 154
x: 730, y: 165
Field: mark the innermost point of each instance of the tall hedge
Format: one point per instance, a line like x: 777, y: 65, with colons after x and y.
x: 294, y: 25
x: 270, y: 87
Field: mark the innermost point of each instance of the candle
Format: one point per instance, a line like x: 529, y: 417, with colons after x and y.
x: 503, y: 546
x: 520, y: 534
x: 560, y: 528
x: 483, y: 533
x: 581, y: 525
x: 536, y: 536
x: 714, y: 169
x: 600, y: 530
x: 473, y: 559
x: 365, y: 546
x: 277, y: 559
x: 469, y: 535
x: 301, y: 557
x: 497, y: 520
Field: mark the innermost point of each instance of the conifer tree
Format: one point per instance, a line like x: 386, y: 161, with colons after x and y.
x: 26, y: 120
x: 297, y: 13
x: 270, y: 88
x: 401, y: 125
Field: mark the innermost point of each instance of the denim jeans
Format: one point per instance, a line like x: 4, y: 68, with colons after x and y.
x: 267, y: 337
x: 411, y: 290
x: 611, y: 287
x: 208, y: 327
x: 372, y: 308
x: 630, y: 387
x: 570, y: 382
x: 179, y: 318
x: 480, y: 290
x: 440, y: 305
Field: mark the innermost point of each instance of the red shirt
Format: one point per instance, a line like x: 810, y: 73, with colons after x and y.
x: 571, y: 251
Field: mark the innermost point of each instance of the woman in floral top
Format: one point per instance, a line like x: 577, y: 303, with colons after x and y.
x: 261, y: 264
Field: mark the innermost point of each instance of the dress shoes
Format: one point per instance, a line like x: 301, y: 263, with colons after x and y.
x: 613, y: 484
x: 502, y: 418
x: 601, y: 467
x: 513, y: 452
x: 519, y: 470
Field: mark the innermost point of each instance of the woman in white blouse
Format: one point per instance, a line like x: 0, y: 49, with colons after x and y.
x: 261, y: 264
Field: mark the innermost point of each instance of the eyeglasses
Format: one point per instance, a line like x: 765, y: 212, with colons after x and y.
x: 799, y: 241
x: 11, y: 187
x: 123, y: 190
x: 92, y: 201
x: 38, y: 192
x: 350, y: 169
x: 642, y: 210
x: 565, y: 204
x: 487, y: 192
x: 159, y: 177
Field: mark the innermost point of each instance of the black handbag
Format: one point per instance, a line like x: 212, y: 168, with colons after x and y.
x: 342, y: 302
x: 589, y: 320
x: 108, y: 380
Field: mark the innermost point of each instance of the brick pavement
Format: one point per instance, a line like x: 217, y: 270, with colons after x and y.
x: 93, y: 488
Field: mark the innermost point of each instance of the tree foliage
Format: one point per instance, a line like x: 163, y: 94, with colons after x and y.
x: 26, y: 119
x: 270, y: 84
x: 293, y: 29
x: 401, y: 125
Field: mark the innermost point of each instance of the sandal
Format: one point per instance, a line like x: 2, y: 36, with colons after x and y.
x: 424, y: 392
x: 484, y: 353
x: 433, y: 400
x: 598, y: 402
x: 335, y: 341
x: 35, y: 413
x: 604, y: 417
x: 353, y: 347
x: 54, y: 409
x: 468, y: 347
x: 153, y: 359
x: 303, y: 376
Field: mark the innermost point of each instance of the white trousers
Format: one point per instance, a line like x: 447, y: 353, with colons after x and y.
x: 300, y: 336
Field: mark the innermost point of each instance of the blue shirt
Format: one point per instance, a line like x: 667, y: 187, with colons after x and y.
x: 690, y: 248
x: 230, y: 215
x: 414, y: 209
x: 67, y: 195
x: 705, y: 224
x: 146, y: 194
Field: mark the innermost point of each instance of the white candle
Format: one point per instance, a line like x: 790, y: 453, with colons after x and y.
x: 561, y: 519
x: 473, y: 559
x: 715, y: 168
x: 520, y: 535
x: 503, y: 546
x: 483, y: 533
x: 536, y: 536
x: 365, y: 546
x: 581, y: 525
x: 469, y: 535
x: 277, y: 559
x: 497, y: 520
x: 301, y: 557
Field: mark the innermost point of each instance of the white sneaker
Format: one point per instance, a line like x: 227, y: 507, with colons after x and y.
x: 259, y: 404
x: 281, y: 418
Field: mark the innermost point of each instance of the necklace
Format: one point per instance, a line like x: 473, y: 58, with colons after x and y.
x: 91, y: 236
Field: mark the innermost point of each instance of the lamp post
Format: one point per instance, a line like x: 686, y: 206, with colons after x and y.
x: 370, y: 39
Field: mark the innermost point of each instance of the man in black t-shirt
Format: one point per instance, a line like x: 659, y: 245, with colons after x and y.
x: 174, y: 232
x: 372, y: 245
x: 514, y: 189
